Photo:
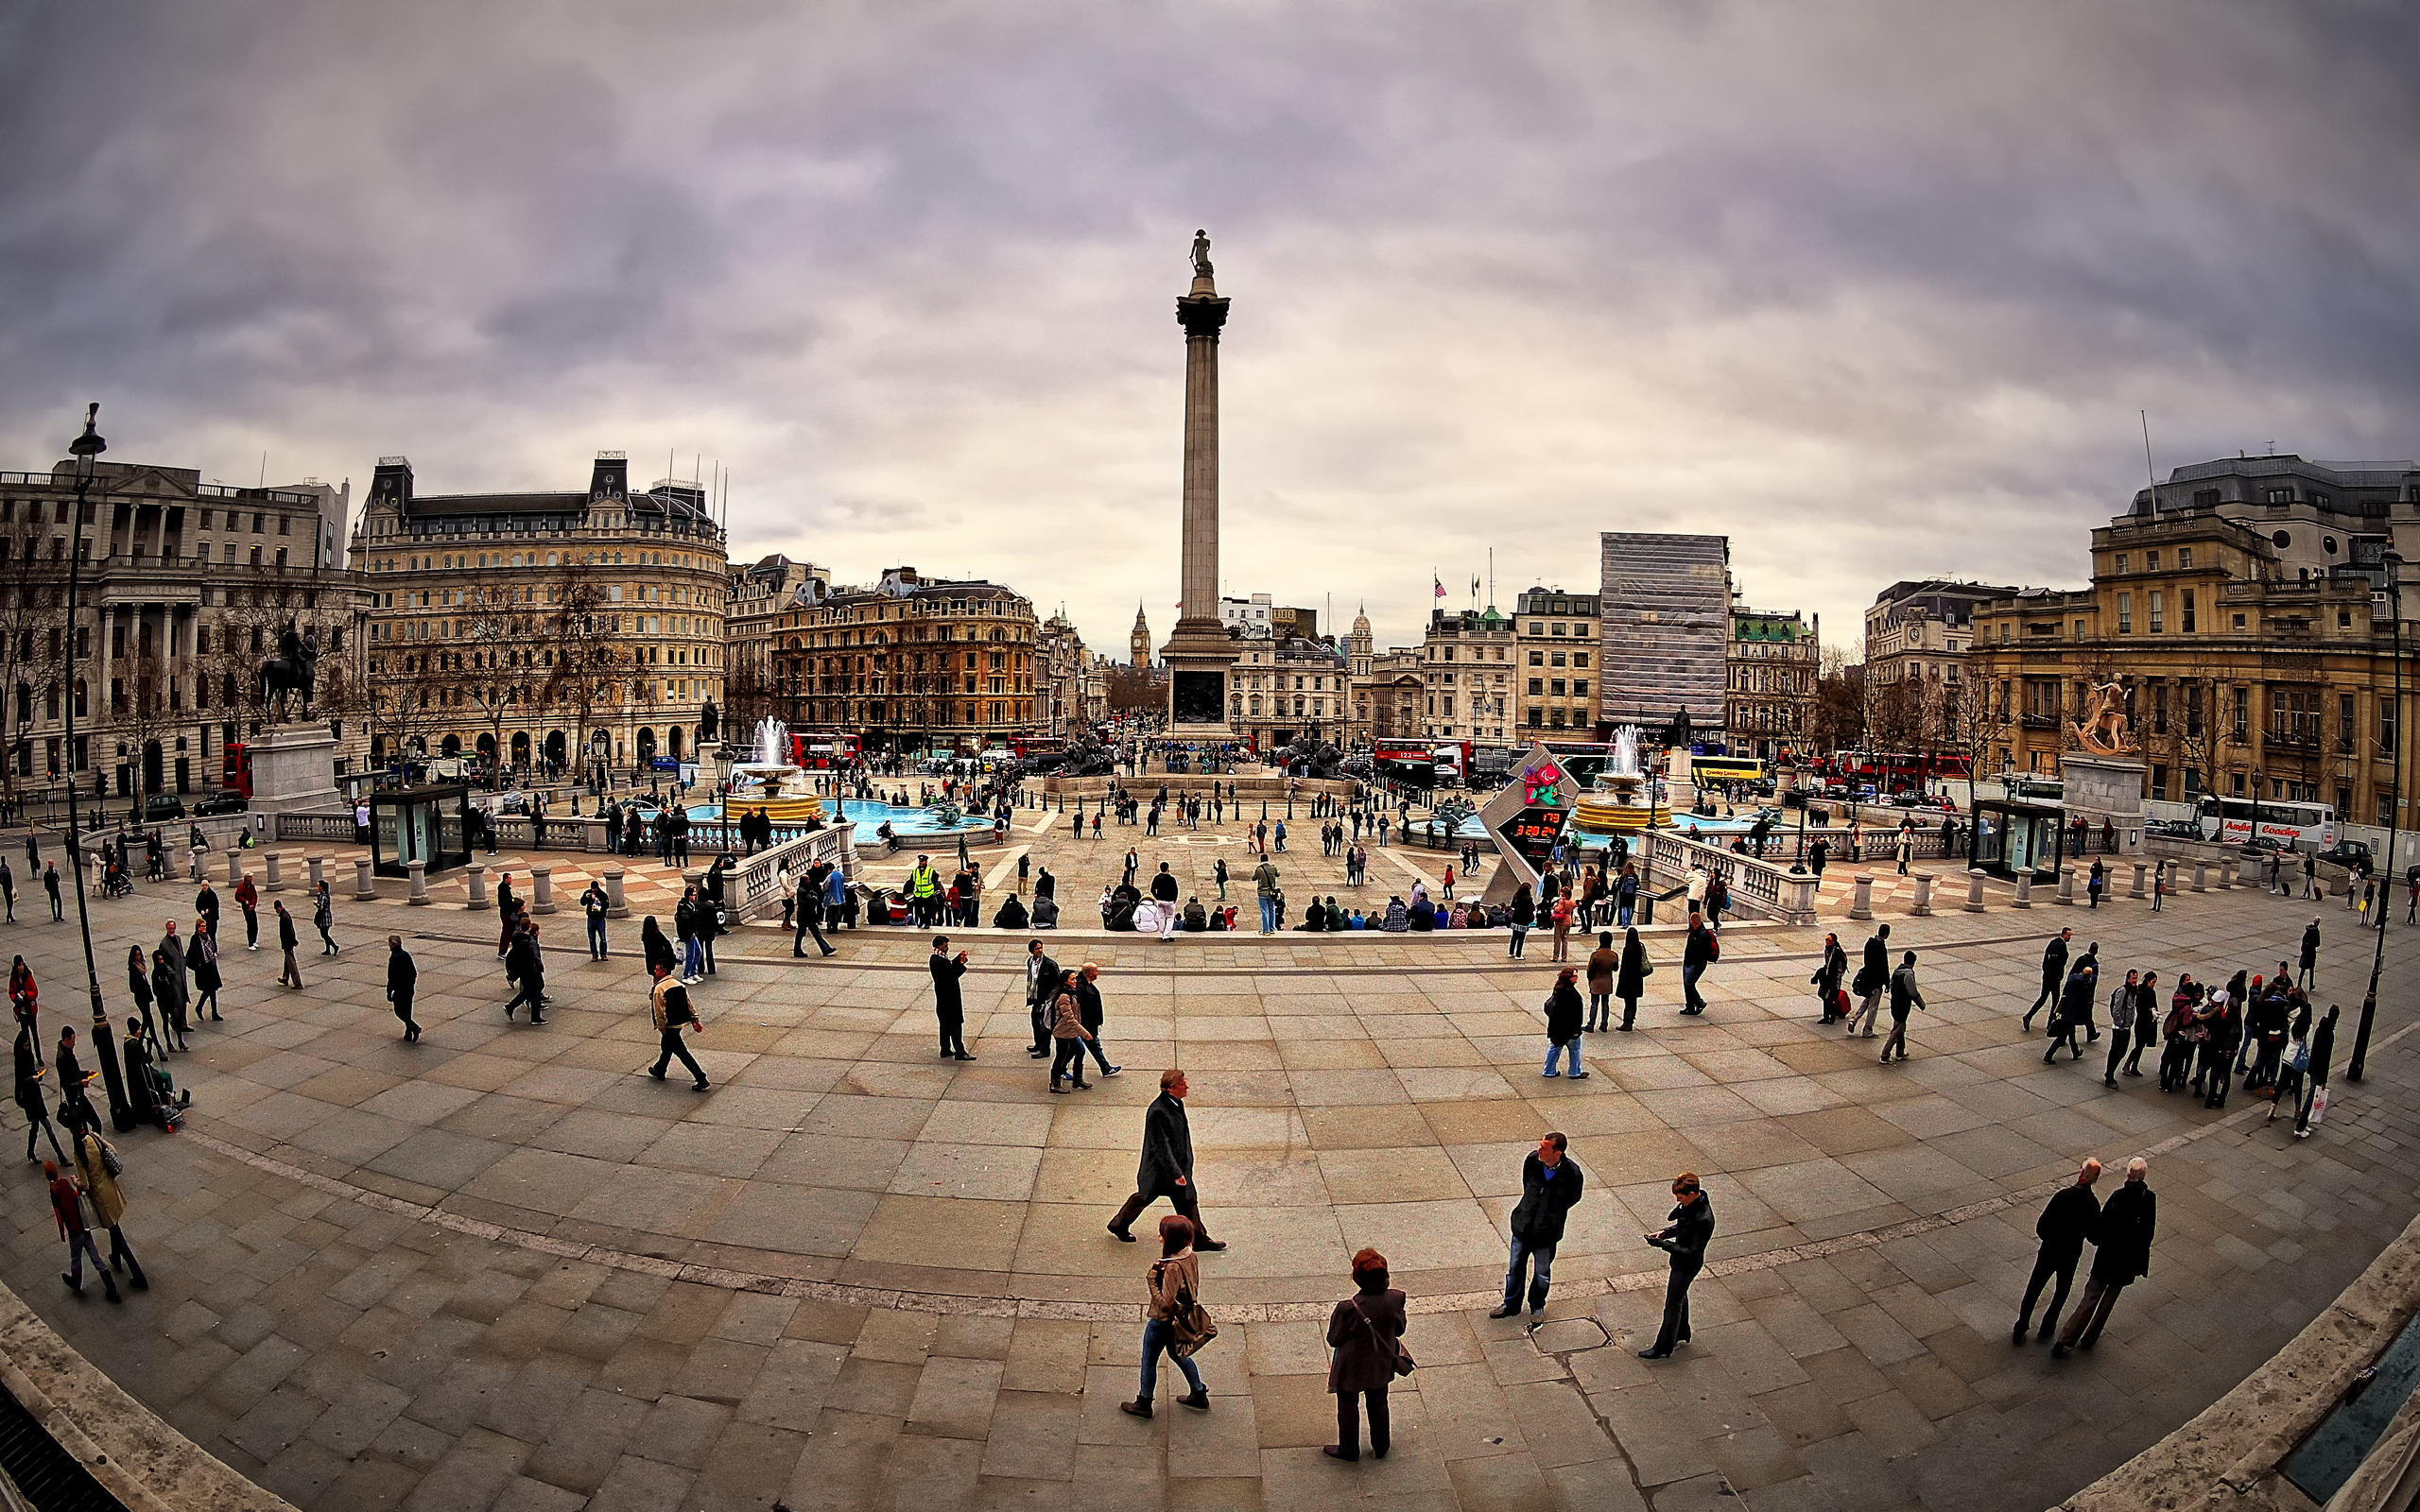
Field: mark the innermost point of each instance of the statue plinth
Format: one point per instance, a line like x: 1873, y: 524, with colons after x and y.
x: 2099, y: 788
x: 294, y: 768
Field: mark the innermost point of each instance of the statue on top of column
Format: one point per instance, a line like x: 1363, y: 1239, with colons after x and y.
x: 1202, y: 255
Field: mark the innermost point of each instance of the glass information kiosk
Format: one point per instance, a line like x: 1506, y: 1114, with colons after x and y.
x: 425, y: 824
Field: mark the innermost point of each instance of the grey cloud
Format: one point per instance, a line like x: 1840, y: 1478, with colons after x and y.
x: 1876, y: 288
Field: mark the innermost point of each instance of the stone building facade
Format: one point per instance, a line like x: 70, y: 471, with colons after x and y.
x: 184, y: 588
x: 759, y: 595
x: 1666, y: 632
x: 555, y: 632
x: 1470, y: 675
x: 1385, y: 690
x: 2242, y: 608
x: 917, y: 665
x: 1774, y: 663
x: 1282, y: 689
x: 1555, y: 633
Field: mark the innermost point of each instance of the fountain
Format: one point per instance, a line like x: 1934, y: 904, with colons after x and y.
x: 771, y: 783
x: 1615, y: 805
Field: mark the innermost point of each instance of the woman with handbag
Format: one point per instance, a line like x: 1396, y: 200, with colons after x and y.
x: 1629, y: 982
x: 1175, y: 1320
x: 97, y: 1168
x: 1366, y: 1333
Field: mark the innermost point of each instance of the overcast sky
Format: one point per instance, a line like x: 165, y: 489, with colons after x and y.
x: 1876, y: 290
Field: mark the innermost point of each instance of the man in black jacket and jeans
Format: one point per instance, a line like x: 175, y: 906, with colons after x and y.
x: 2062, y: 1227
x: 2054, y: 976
x: 1685, y: 1235
x: 1551, y: 1184
x: 1166, y: 1167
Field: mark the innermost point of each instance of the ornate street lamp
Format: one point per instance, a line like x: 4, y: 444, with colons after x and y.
x: 85, y: 448
x: 2353, y: 1068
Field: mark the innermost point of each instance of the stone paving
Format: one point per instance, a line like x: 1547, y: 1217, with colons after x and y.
x: 500, y: 1268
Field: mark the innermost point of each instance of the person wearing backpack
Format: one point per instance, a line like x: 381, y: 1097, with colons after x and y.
x: 1702, y: 951
x: 1903, y: 998
x: 1174, y: 1282
x: 1366, y: 1333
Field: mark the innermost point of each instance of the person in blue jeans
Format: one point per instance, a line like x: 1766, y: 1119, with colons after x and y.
x: 1264, y: 879
x: 1564, y: 1014
x: 1552, y: 1183
x: 1175, y: 1277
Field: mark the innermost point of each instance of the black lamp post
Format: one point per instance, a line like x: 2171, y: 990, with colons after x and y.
x: 2353, y: 1068
x: 85, y: 448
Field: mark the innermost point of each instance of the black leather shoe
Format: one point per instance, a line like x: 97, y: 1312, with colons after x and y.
x: 1123, y: 1237
x: 1656, y: 1355
x: 1507, y: 1310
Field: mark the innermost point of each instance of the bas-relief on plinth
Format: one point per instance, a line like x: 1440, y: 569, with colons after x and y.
x: 1200, y: 653
x: 2101, y: 780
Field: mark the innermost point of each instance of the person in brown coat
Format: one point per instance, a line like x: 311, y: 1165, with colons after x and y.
x: 1365, y: 1331
x: 1068, y: 1032
x: 1602, y: 963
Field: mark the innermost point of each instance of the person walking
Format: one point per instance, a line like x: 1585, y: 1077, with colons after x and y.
x: 808, y: 915
x: 1166, y: 1169
x: 50, y: 886
x: 247, y: 897
x: 1562, y: 1023
x: 1041, y: 981
x: 1089, y: 1006
x: 2065, y: 1223
x: 2094, y: 883
x: 2306, y: 977
x: 1520, y: 916
x: 1687, y: 1230
x: 2159, y: 883
x: 323, y: 916
x: 8, y: 888
x: 1365, y: 1332
x: 1173, y: 1282
x: 2122, y: 1024
x: 402, y: 980
x: 1264, y: 879
x: 2322, y: 1050
x: 67, y: 1209
x: 291, y: 974
x: 24, y: 1001
x: 1067, y: 1034
x: 2074, y: 1012
x: 523, y: 964
x: 1603, y: 962
x: 1826, y: 980
x: 1872, y: 980
x: 202, y: 958
x: 1699, y: 952
x: 2054, y: 976
x: 1629, y: 982
x: 949, y: 1006
x: 1559, y: 914
x: 108, y: 1202
x: 1551, y: 1185
x: 1905, y: 998
x: 594, y: 905
x: 2147, y: 1021
x: 1906, y: 847
x: 2122, y: 1255
x: 31, y: 1100
x: 668, y: 1002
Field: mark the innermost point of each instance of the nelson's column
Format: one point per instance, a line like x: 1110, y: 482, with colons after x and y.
x: 1199, y: 652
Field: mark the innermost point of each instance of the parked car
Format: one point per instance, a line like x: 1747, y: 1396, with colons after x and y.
x: 220, y: 802
x: 2353, y: 854
x: 159, y: 806
x: 2261, y: 844
x: 2174, y: 829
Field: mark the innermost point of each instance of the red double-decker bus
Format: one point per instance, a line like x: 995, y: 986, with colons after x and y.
x: 823, y: 751
x: 235, y: 768
x: 1896, y: 771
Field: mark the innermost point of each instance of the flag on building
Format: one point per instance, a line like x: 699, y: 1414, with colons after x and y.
x: 1441, y: 586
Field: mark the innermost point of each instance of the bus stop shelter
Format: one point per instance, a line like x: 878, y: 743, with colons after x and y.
x: 425, y: 824
x: 2011, y: 838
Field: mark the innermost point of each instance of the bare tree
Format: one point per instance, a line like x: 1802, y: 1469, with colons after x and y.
x: 499, y: 660
x: 586, y: 665
x: 1839, y: 709
x: 1972, y: 722
x: 32, y: 650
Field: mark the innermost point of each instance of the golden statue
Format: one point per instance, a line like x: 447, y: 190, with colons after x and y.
x: 2103, y: 730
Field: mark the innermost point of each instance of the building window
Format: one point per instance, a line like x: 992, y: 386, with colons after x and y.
x: 2242, y: 711
x: 1537, y: 717
x: 2386, y: 726
x: 1556, y: 660
x: 1579, y: 689
x: 2079, y: 635
x: 2159, y: 611
x: 2184, y: 556
x: 2121, y: 562
x: 1537, y: 659
x: 1537, y: 685
x: 2125, y: 613
x: 2184, y: 610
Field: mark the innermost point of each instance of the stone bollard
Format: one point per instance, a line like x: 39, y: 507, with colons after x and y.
x: 362, y: 890
x: 1975, y: 890
x: 544, y: 900
x: 317, y: 865
x: 478, y: 873
x: 2066, y: 887
x: 2141, y: 872
x: 418, y: 870
x: 234, y: 867
x: 276, y: 876
x: 1922, y: 909
x: 2201, y: 876
x: 615, y: 906
x: 1861, y: 905
x: 2024, y: 890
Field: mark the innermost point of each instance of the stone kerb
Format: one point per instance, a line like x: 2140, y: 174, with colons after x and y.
x: 2229, y: 1455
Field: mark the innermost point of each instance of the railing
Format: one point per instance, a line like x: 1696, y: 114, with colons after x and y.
x: 307, y: 826
x: 1763, y: 887
x: 750, y: 884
